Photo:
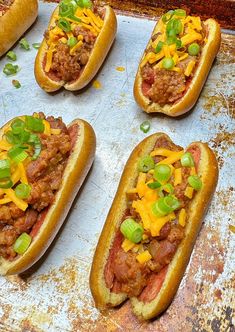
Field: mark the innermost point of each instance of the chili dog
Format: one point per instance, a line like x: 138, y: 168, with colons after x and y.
x: 43, y: 163
x: 152, y: 225
x: 77, y: 40
x: 16, y: 16
x: 176, y: 62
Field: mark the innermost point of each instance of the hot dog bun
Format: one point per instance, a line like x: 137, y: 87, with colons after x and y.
x: 13, y: 24
x: 188, y: 100
x: 97, y: 56
x: 208, y: 172
x: 78, y: 165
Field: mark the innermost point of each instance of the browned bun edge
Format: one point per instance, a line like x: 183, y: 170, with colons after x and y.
x: 97, y: 56
x: 13, y: 24
x: 208, y: 171
x: 193, y: 91
x: 102, y: 295
x: 42, y: 79
x: 79, y: 163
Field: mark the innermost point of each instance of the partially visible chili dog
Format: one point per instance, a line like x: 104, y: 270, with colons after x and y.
x: 16, y: 16
x: 77, y: 40
x: 43, y: 163
x: 152, y: 225
x: 176, y: 62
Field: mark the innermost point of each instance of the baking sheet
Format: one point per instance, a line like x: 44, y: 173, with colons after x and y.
x: 54, y: 295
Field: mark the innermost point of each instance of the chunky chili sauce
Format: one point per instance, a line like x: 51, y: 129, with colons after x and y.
x: 171, y: 59
x: 33, y: 154
x: 71, y: 39
x: 154, y: 223
x: 5, y: 6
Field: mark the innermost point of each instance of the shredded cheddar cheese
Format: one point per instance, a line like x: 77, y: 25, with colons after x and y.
x: 177, y: 50
x: 144, y: 257
x: 18, y: 202
x: 189, y: 68
x: 178, y: 176
x: 127, y: 245
x: 189, y: 192
x: 175, y: 156
x: 83, y: 17
x: 182, y: 217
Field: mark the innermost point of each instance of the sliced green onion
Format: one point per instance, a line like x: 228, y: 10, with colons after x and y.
x: 145, y: 164
x: 23, y: 136
x: 171, y: 40
x: 22, y: 243
x: 165, y: 205
x: 16, y: 84
x: 159, y: 46
x: 132, y: 230
x: 11, y: 138
x: 162, y: 173
x: 66, y: 9
x: 24, y: 44
x: 34, y: 124
x: 10, y: 69
x: 194, y: 49
x: 178, y: 26
x: 17, y: 126
x: 6, y: 183
x: 5, y: 169
x: 23, y: 190
x: 174, y: 26
x: 87, y: 3
x: 154, y: 185
x: 195, y: 182
x: 72, y: 41
x: 11, y: 55
x: 187, y: 160
x: 167, y: 188
x: 180, y: 12
x: 35, y: 140
x: 75, y: 18
x: 178, y: 43
x: 64, y: 25
x: 168, y: 63
x: 17, y: 154
x: 172, y: 33
x: 145, y: 126
x: 166, y: 17
x: 36, y: 45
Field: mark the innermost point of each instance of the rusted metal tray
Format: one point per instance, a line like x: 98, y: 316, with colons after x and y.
x: 54, y: 295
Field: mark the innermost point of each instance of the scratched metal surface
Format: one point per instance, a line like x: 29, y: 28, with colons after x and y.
x: 54, y: 295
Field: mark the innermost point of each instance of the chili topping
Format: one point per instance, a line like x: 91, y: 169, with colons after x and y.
x: 154, y: 223
x: 71, y: 38
x: 5, y: 6
x: 171, y: 59
x: 33, y: 154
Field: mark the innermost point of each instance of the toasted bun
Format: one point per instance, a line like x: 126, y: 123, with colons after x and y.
x: 77, y: 167
x: 13, y: 24
x: 189, y: 99
x: 208, y: 171
x: 97, y: 56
